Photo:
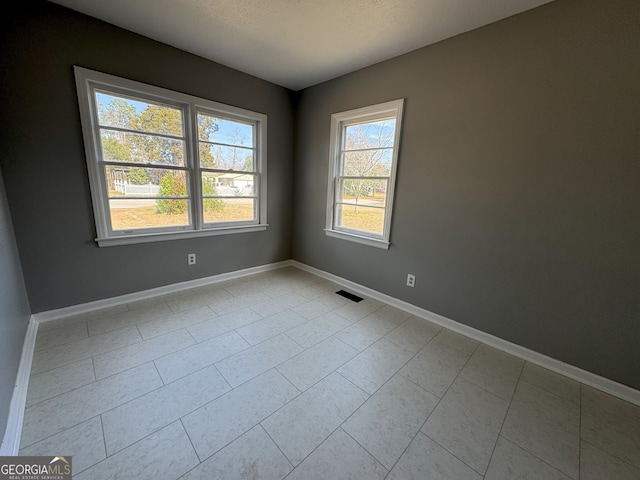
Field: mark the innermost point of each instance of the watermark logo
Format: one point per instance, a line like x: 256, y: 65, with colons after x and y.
x: 35, y: 468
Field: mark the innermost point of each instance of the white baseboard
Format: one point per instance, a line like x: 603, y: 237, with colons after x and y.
x: 153, y: 292
x: 11, y: 440
x: 601, y: 383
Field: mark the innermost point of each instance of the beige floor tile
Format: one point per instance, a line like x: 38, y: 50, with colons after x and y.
x: 510, y: 461
x: 60, y: 380
x: 493, y: 370
x: 312, y: 365
x: 84, y: 443
x: 339, y: 456
x: 371, y: 368
x: 552, y: 382
x: 251, y: 456
x: 305, y: 422
x: 611, y: 424
x: 424, y: 459
x: 545, y: 425
x: 388, y: 421
x: 596, y: 464
x: 467, y: 423
x: 166, y: 454
x: 221, y: 421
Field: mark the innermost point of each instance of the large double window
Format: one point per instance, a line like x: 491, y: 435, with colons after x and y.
x: 165, y: 165
x: 362, y: 171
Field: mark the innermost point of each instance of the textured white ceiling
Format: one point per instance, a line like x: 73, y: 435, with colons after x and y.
x: 299, y: 43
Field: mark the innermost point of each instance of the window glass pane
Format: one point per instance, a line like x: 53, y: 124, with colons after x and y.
x: 369, y: 163
x: 138, y: 114
x: 370, y: 135
x: 358, y: 191
x: 228, y: 185
x: 358, y: 217
x: 147, y: 182
x: 129, y: 214
x: 228, y: 209
x: 219, y: 130
x: 226, y: 158
x: 140, y: 148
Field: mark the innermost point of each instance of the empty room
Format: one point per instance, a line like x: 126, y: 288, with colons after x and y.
x: 245, y: 239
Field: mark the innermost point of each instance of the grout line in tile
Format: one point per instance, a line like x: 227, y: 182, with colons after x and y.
x: 70, y: 390
x: 453, y: 454
x: 436, y: 407
x: 135, y: 324
x: 158, y: 372
x: 580, y: 434
x: 362, y: 446
x: 195, y: 342
x: 93, y: 364
x: 190, y: 441
x: 536, y: 457
x: 506, y: 415
x: 135, y: 398
x: 358, y: 387
x: 422, y: 425
x: 276, y: 444
x: 104, y: 439
x: 240, y: 335
x: 293, y: 340
x: 551, y: 392
x: 621, y: 460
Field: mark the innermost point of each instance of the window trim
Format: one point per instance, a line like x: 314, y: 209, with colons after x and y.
x: 338, y: 123
x: 89, y: 80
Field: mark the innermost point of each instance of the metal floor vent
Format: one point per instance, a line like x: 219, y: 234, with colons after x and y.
x: 350, y: 296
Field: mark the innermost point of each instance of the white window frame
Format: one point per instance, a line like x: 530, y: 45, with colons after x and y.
x: 339, y: 122
x: 87, y: 81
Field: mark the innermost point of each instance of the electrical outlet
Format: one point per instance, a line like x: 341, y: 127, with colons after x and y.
x: 191, y: 258
x: 411, y: 280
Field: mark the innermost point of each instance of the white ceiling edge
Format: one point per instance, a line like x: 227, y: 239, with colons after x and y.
x: 300, y: 43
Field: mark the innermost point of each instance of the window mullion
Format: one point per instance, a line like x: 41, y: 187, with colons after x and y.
x: 194, y: 162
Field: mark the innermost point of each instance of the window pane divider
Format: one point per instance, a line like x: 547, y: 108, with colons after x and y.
x: 230, y: 145
x: 363, y: 205
x: 231, y: 198
x: 112, y: 163
x: 168, y: 136
x: 341, y: 177
x: 366, y: 149
x: 239, y: 172
x: 140, y: 197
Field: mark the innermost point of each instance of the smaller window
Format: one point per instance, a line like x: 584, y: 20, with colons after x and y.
x: 362, y: 173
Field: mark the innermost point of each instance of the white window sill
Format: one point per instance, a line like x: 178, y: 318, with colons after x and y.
x: 372, y: 242
x: 158, y: 237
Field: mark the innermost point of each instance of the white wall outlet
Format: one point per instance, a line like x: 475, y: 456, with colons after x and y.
x: 191, y: 258
x: 411, y: 280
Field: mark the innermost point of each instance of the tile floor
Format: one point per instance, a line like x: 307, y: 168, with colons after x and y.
x: 275, y: 376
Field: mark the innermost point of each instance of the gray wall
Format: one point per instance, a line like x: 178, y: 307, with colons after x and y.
x: 517, y: 200
x: 45, y: 170
x: 14, y: 310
